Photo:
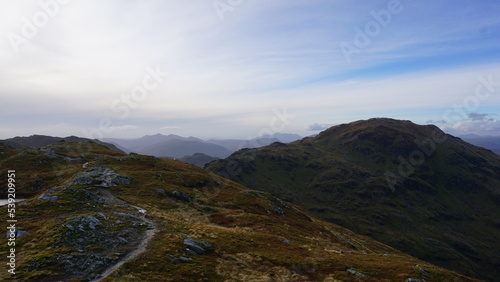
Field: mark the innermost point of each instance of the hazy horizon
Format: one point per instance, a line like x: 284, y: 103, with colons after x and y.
x: 237, y: 69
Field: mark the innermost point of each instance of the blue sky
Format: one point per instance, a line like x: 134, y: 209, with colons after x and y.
x: 236, y: 69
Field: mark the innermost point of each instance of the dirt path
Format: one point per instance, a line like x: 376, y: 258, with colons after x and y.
x: 142, y: 246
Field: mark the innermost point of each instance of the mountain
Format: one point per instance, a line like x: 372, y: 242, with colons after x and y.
x: 198, y: 159
x: 103, y: 214
x: 490, y: 143
x: 283, y: 137
x: 37, y: 141
x: 412, y: 187
x: 235, y: 144
x: 146, y: 141
x: 158, y: 144
x: 179, y: 148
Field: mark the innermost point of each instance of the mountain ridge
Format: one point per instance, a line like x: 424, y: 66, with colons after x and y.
x: 439, y: 184
x: 86, y: 219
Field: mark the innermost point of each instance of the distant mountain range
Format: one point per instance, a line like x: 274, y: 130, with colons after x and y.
x: 412, y: 187
x: 198, y: 159
x: 174, y: 146
x: 38, y: 141
x: 490, y: 143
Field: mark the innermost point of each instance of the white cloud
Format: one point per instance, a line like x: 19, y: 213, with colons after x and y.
x: 489, y: 127
x: 228, y: 76
x: 170, y: 127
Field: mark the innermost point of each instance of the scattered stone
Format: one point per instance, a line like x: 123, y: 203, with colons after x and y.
x: 48, y: 197
x: 185, y: 259
x: 345, y: 240
x: 162, y: 193
x: 18, y: 233
x: 355, y: 272
x: 413, y: 280
x: 287, y: 241
x: 423, y: 272
x: 347, y: 252
x: 278, y: 210
x: 197, y: 247
x: 181, y: 196
x: 210, y: 209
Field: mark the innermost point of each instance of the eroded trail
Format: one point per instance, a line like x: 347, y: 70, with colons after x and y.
x: 141, y: 247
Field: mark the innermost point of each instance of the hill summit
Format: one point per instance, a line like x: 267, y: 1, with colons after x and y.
x: 410, y: 186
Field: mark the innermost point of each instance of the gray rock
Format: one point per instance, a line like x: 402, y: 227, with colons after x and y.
x: 48, y: 197
x: 278, y: 210
x: 120, y: 179
x: 181, y: 196
x: 82, y: 180
x: 355, y: 272
x: 84, y: 223
x: 101, y: 177
x: 162, y: 193
x: 18, y: 233
x: 185, y: 259
x: 413, y: 280
x: 197, y: 247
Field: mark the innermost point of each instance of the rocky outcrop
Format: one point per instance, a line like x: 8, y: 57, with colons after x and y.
x: 355, y: 272
x: 18, y: 233
x: 100, y: 177
x: 197, y: 247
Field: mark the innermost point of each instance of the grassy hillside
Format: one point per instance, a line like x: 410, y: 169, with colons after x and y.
x: 100, y: 207
x: 412, y: 187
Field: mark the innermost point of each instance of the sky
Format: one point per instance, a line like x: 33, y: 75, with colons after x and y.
x: 241, y: 68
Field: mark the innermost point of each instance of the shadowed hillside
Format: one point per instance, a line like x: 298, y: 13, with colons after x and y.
x: 410, y: 186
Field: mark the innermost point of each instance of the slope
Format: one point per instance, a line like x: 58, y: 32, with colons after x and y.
x: 209, y: 228
x: 412, y: 187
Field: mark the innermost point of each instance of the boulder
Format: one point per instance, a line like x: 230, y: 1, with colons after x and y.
x: 101, y: 177
x: 355, y: 272
x: 181, y: 196
x: 48, y: 197
x: 18, y: 233
x: 197, y: 247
